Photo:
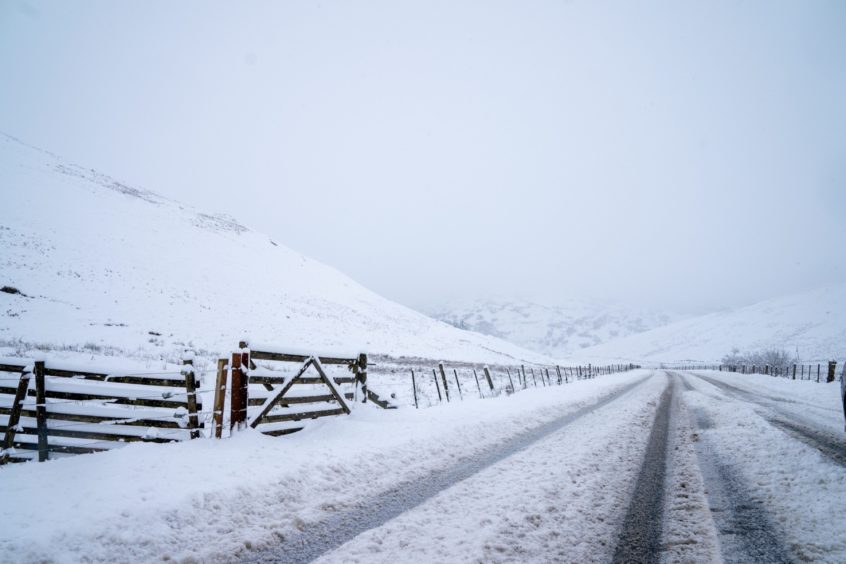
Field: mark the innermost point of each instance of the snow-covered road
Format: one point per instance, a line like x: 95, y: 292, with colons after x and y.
x: 644, y: 466
x: 678, y: 469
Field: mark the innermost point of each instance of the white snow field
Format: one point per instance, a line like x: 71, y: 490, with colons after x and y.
x: 106, y: 268
x: 238, y: 498
x: 810, y: 324
x: 547, y: 474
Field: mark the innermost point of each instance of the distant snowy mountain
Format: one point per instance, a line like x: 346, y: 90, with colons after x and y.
x: 812, y: 323
x: 90, y: 263
x: 557, y: 330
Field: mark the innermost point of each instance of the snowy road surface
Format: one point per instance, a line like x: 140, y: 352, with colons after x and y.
x: 638, y: 467
x: 639, y: 478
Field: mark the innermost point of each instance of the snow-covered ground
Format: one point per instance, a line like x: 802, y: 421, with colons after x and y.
x: 546, y: 474
x: 217, y: 500
x: 800, y: 489
x: 105, y: 268
x: 561, y: 499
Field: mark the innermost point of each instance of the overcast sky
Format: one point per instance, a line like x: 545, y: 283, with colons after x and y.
x: 689, y: 155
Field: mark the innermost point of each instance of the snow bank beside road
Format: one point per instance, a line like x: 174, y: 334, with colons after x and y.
x: 207, y: 499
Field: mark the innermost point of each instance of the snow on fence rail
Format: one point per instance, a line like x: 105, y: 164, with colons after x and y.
x: 52, y: 411
x: 789, y: 371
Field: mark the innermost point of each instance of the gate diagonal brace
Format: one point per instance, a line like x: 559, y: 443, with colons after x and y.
x: 272, y: 401
x: 331, y: 384
x: 275, y: 399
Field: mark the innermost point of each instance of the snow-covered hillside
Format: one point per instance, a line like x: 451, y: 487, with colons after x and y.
x: 813, y: 322
x: 90, y: 263
x: 554, y: 330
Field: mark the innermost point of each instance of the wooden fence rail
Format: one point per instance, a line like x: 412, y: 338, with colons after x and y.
x: 53, y: 410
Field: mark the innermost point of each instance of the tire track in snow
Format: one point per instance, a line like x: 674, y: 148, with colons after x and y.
x: 832, y: 447
x: 640, y: 538
x: 756, y: 397
x: 746, y: 532
x: 319, y: 538
x: 829, y: 444
x: 689, y: 531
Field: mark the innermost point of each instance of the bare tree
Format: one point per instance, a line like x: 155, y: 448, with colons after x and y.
x: 774, y: 358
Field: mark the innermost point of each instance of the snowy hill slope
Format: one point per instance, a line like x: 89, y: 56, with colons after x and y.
x: 813, y: 322
x: 554, y: 330
x: 102, y: 265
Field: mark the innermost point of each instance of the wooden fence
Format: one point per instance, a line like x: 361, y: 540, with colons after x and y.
x: 58, y: 410
x: 51, y: 411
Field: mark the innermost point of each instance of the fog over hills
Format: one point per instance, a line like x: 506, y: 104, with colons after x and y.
x: 810, y: 325
x: 557, y: 330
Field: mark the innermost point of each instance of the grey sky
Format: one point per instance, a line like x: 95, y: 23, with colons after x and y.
x: 685, y: 154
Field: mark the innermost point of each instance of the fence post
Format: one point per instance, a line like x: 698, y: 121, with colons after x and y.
x: 478, y: 386
x: 414, y: 388
x: 362, y: 375
x: 443, y: 378
x: 191, y: 397
x: 41, y: 411
x: 235, y: 391
x: 458, y: 385
x: 240, y: 387
x: 558, y: 370
x: 435, y: 376
x: 832, y: 366
x: 818, y: 373
x: 219, y: 397
x: 510, y: 381
x: 488, y: 377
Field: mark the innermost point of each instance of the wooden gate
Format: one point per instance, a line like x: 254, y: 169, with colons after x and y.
x: 276, y: 392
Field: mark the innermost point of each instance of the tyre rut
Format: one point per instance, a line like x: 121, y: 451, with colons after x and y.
x: 640, y: 538
x: 830, y: 445
x: 745, y: 529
